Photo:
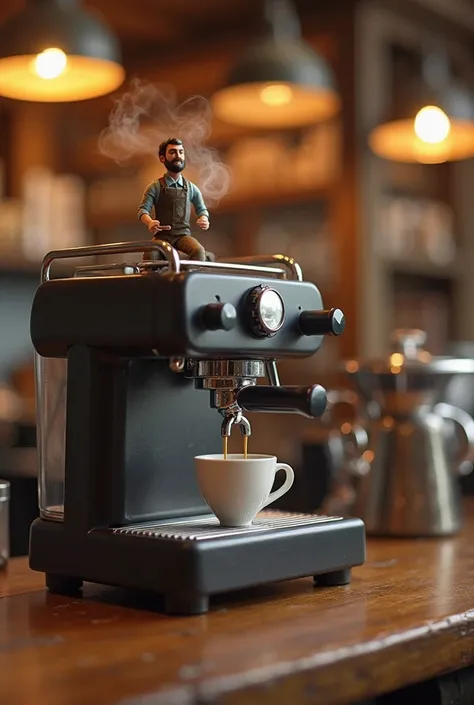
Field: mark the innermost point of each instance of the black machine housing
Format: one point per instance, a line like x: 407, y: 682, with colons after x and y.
x: 133, y: 513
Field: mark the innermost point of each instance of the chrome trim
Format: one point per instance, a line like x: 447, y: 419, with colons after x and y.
x: 272, y: 373
x: 91, y: 269
x: 177, y: 364
x: 224, y: 369
x: 222, y: 266
x: 256, y: 264
x: 112, y: 248
x: 291, y: 264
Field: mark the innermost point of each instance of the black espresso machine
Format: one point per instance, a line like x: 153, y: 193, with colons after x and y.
x: 140, y: 367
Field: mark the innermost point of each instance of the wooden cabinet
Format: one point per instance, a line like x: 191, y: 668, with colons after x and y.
x: 416, y: 221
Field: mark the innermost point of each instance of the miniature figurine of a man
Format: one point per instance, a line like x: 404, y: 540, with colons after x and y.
x: 171, y: 196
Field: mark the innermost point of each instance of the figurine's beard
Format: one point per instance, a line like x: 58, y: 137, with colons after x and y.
x: 175, y: 166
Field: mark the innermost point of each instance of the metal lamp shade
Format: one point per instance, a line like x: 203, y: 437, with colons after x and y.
x: 278, y: 84
x: 93, y: 55
x: 396, y: 140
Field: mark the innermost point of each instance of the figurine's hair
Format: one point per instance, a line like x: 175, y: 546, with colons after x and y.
x: 164, y: 145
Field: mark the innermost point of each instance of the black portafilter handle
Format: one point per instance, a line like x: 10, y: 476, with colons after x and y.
x: 327, y: 322
x: 308, y: 401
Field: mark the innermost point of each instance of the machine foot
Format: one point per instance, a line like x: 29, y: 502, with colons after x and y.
x: 185, y: 603
x: 63, y: 585
x: 337, y: 577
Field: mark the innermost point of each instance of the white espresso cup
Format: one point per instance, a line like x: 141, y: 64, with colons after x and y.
x: 237, y: 488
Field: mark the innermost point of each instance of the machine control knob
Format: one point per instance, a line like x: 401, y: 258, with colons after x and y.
x: 265, y: 311
x: 330, y: 322
x: 219, y: 316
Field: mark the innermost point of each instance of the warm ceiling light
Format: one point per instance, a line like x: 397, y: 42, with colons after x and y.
x: 51, y: 63
x: 277, y: 94
x: 54, y: 51
x: 414, y: 140
x: 280, y: 82
x: 441, y: 130
x: 431, y: 124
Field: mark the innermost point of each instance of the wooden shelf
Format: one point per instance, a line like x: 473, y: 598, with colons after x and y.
x: 423, y: 267
x: 275, y: 198
x: 16, y: 264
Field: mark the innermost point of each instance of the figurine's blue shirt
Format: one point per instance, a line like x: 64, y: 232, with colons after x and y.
x: 174, y: 182
x: 152, y: 193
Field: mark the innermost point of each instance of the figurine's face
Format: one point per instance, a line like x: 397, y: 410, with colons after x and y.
x: 175, y: 158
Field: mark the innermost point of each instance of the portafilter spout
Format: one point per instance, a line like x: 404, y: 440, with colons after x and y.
x: 224, y: 379
x: 233, y: 417
x: 233, y: 387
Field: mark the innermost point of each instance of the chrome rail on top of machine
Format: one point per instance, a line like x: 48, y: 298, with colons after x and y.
x: 258, y: 264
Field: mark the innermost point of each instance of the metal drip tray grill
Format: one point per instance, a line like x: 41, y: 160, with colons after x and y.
x: 207, y: 528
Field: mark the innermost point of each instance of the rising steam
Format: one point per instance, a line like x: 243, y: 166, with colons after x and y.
x: 148, y: 114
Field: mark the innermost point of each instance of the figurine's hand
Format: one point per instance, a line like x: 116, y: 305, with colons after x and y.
x: 154, y: 226
x: 203, y: 222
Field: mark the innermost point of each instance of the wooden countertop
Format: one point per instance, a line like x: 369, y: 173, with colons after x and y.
x: 407, y: 616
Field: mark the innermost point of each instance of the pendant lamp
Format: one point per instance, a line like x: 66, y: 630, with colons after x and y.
x: 280, y: 81
x: 55, y: 51
x: 438, y: 128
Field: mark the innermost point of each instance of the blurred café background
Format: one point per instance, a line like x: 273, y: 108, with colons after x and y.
x: 357, y: 161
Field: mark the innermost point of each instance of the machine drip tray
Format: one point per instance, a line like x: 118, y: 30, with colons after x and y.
x: 188, y: 559
x: 207, y: 528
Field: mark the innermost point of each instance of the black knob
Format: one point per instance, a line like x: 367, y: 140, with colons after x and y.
x: 219, y: 316
x: 309, y: 401
x: 331, y: 322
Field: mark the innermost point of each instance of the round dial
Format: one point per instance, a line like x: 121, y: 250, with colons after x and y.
x: 267, y: 311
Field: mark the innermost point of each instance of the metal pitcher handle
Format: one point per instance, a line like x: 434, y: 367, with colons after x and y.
x: 465, y: 422
x: 351, y: 462
x: 355, y: 440
x: 355, y: 443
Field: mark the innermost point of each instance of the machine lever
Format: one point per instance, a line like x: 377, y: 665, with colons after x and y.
x: 308, y: 401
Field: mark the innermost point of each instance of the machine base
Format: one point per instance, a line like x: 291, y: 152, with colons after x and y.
x: 188, y: 560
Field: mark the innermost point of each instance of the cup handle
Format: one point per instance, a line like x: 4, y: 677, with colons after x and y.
x: 290, y: 478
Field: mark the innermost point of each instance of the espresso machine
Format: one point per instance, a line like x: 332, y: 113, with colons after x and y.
x: 142, y: 366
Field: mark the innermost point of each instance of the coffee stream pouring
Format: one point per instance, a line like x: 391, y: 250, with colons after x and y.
x: 142, y: 367
x: 403, y: 466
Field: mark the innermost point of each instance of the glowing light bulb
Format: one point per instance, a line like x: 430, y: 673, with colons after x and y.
x: 396, y: 360
x: 276, y: 95
x: 50, y: 63
x: 432, y: 125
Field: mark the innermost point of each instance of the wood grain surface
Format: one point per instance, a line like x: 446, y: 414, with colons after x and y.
x: 408, y: 615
